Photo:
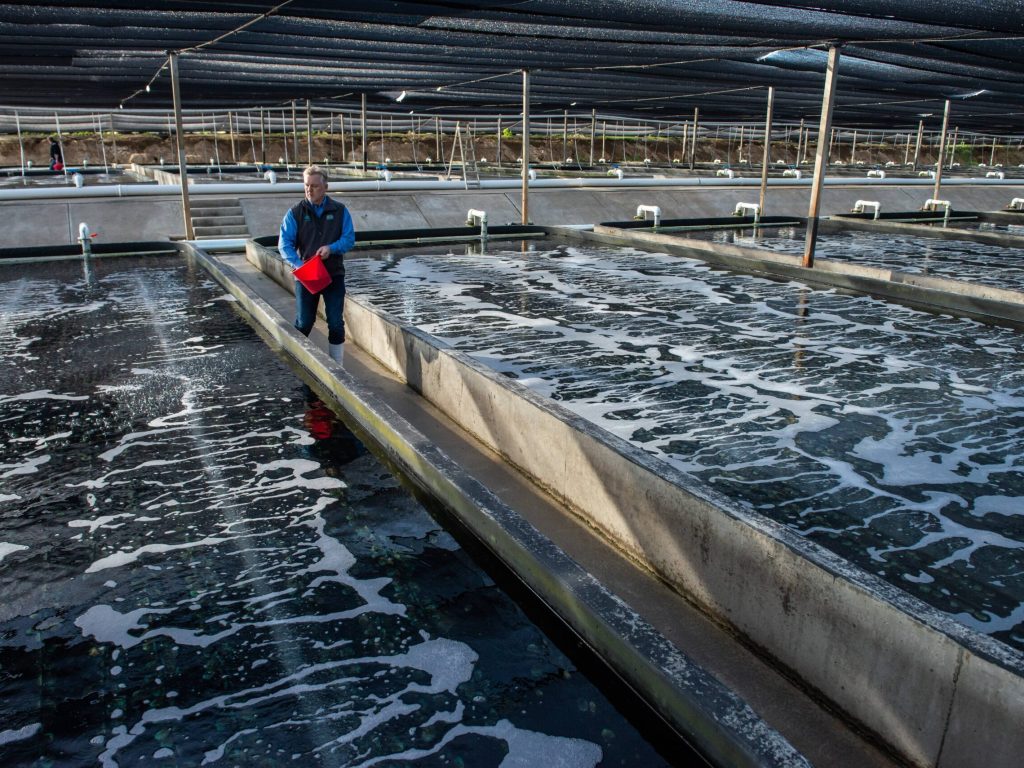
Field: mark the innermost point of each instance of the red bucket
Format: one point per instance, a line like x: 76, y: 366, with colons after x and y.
x: 313, y: 275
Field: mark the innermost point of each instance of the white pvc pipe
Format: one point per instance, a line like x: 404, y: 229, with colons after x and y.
x: 860, y: 205
x: 474, y: 215
x: 643, y: 210
x: 754, y: 208
x: 931, y: 204
x: 237, y: 244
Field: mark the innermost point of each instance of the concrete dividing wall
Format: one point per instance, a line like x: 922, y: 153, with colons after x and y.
x: 938, y: 693
x: 553, y: 207
x: 115, y: 220
x: 132, y: 219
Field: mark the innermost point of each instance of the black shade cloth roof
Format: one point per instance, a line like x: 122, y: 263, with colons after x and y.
x: 653, y: 58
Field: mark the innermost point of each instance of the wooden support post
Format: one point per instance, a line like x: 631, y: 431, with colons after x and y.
x: 565, y: 136
x: 363, y: 129
x: 231, y: 135
x: 593, y: 131
x: 263, y: 137
x: 942, y: 151
x: 186, y: 206
x: 917, y: 146
x: 693, y: 140
x: 309, y: 133
x: 766, y: 156
x: 821, y: 154
x: 525, y: 170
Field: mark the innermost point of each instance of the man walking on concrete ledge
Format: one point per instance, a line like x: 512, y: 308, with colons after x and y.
x: 319, y: 226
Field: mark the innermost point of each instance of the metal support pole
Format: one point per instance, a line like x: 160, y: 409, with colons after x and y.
x: 821, y: 154
x: 693, y: 140
x: 363, y: 129
x: 593, y: 132
x: 309, y: 133
x: 799, y: 141
x: 952, y: 149
x: 853, y: 149
x: 766, y: 158
x: 525, y: 170
x: 499, y: 141
x: 942, y: 151
x: 186, y: 206
x: 917, y: 146
x: 992, y: 157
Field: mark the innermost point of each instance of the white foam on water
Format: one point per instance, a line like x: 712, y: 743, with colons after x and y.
x: 7, y: 548
x: 9, y: 497
x: 1008, y: 506
x: 933, y: 405
x: 39, y: 394
x: 28, y: 467
x: 296, y: 477
x: 448, y: 663
x: 526, y: 749
x: 109, y: 626
x: 19, y: 734
x: 99, y: 522
x: 120, y: 559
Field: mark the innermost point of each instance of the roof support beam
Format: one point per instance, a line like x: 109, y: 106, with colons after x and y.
x: 821, y: 153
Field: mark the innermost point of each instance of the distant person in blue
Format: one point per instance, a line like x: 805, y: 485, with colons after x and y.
x: 319, y: 225
x: 56, y: 156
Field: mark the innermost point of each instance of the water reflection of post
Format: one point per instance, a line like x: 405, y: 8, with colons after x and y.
x: 802, y: 312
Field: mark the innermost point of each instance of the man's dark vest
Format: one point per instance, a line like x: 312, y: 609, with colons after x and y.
x: 313, y: 232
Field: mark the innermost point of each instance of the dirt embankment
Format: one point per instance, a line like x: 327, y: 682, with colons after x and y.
x: 426, y: 148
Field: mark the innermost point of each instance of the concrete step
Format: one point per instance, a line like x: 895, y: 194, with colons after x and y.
x: 213, y: 202
x: 217, y: 221
x: 236, y: 231
x: 220, y: 210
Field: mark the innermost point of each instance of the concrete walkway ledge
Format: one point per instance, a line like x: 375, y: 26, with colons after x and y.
x: 938, y: 693
x: 890, y: 223
x: 708, y: 715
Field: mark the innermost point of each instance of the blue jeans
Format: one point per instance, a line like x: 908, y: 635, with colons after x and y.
x: 334, y: 309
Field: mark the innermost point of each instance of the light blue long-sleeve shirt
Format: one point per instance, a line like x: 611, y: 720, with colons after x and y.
x: 290, y: 229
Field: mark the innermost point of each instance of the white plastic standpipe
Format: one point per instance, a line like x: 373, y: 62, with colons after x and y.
x: 643, y: 210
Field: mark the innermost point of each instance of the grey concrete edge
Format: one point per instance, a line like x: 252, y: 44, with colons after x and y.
x: 708, y: 714
x: 923, y: 230
x: 958, y: 297
x: 878, y: 595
